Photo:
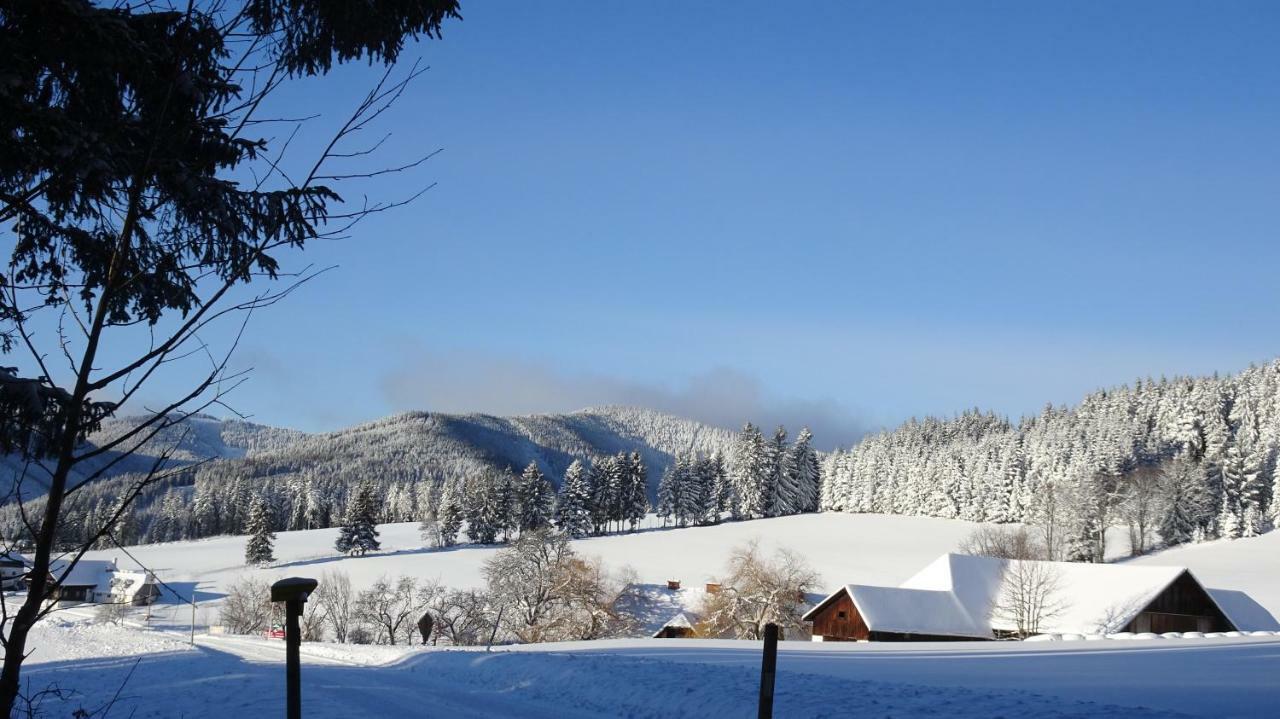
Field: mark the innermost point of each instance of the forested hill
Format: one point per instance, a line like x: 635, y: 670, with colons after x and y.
x: 200, y: 437
x: 1174, y: 459
x: 404, y: 455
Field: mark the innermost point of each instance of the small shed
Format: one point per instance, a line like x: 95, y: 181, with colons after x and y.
x: 678, y: 627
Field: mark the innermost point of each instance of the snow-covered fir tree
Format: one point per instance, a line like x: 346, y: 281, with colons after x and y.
x: 573, y: 504
x: 782, y: 494
x: 635, y: 490
x: 1187, y: 507
x: 806, y: 473
x: 535, y: 499
x: 751, y: 472
x: 260, y: 548
x: 359, y: 532
x: 449, y: 514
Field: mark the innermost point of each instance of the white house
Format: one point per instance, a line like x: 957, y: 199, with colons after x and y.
x: 101, y: 581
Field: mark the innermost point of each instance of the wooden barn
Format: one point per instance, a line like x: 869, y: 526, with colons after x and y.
x: 959, y: 597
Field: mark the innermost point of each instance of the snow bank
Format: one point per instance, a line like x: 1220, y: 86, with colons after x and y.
x: 58, y: 639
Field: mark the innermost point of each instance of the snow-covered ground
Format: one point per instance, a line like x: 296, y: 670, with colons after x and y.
x: 230, y: 676
x: 225, y: 676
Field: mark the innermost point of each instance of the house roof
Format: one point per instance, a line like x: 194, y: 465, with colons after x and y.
x: 915, y: 611
x: 958, y: 595
x: 680, y: 620
x: 86, y: 573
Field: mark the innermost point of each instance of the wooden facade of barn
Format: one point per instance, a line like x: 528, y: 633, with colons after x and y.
x: 1183, y: 606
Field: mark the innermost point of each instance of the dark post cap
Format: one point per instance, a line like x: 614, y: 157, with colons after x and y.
x: 293, y: 589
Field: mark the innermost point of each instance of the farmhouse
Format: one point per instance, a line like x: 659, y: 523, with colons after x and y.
x: 101, y: 581
x: 962, y: 597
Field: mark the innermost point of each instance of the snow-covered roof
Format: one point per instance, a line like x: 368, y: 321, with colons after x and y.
x: 957, y: 595
x: 98, y: 573
x: 680, y: 621
x: 86, y: 573
x: 915, y: 611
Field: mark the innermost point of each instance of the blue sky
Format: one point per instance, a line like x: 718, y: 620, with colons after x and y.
x: 846, y: 214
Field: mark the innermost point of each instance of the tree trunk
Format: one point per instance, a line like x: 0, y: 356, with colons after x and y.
x: 29, y: 613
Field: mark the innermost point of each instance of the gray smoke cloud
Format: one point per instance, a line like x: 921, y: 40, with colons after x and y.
x: 725, y: 397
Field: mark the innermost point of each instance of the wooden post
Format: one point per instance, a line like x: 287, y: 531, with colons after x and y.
x: 293, y: 592
x: 193, y: 617
x: 768, y: 668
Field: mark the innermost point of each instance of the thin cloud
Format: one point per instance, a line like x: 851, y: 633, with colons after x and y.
x: 471, y: 382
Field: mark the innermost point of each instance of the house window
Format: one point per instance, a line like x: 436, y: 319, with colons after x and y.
x: 841, y: 615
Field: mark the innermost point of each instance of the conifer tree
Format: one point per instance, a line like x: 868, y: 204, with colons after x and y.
x: 635, y: 491
x: 505, y: 508
x: 259, y: 550
x: 535, y: 499
x: 359, y: 533
x: 784, y: 489
x: 449, y: 514
x: 1187, y: 504
x: 723, y: 497
x: 806, y: 471
x: 751, y: 472
x: 667, y: 494
x: 687, y: 496
x: 601, y: 497
x: 573, y: 511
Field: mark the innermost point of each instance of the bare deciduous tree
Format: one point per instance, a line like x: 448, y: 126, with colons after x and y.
x: 392, y: 607
x: 335, y: 603
x: 247, y: 608
x: 757, y: 590
x: 1030, y: 595
x: 548, y: 593
x: 462, y: 617
x: 1141, y: 507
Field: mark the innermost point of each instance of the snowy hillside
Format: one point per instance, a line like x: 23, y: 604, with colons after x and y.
x: 871, y: 548
x: 864, y: 549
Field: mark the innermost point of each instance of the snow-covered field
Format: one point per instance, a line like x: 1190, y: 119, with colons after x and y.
x: 228, y: 676
x: 841, y: 547
x: 224, y: 676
